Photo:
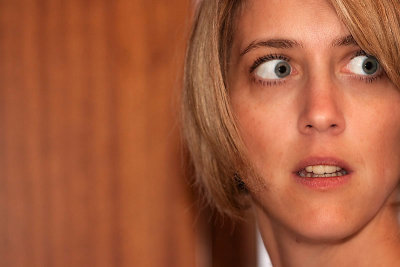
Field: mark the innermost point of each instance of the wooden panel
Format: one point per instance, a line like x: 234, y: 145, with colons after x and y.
x: 89, y: 155
x: 233, y: 244
x: 90, y: 164
x: 163, y: 230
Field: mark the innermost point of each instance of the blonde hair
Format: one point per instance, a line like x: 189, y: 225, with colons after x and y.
x: 211, y: 136
x: 375, y: 25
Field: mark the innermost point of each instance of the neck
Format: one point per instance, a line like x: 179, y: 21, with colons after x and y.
x: 376, y: 244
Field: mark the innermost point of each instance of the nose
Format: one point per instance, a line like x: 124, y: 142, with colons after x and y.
x: 320, y: 108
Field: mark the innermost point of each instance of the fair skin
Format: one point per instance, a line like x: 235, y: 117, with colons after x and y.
x: 325, y: 107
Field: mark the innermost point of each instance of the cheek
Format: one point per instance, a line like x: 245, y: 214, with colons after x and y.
x: 260, y: 131
x: 382, y: 144
x: 268, y: 130
x: 374, y: 134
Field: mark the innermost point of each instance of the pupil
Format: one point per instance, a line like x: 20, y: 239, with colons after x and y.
x: 369, y: 65
x: 282, y: 69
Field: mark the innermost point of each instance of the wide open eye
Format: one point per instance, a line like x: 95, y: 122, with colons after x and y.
x: 273, y: 69
x: 364, y: 65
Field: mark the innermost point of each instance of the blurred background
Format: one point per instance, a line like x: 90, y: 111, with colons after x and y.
x: 91, y: 170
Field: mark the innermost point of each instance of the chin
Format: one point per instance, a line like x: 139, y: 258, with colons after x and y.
x: 329, y: 226
x: 326, y: 223
x: 327, y: 232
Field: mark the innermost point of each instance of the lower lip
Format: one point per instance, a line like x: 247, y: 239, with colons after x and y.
x: 323, y: 183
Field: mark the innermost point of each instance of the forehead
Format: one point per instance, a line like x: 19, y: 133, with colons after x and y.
x: 310, y: 22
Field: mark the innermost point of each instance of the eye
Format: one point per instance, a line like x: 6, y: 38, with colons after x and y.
x: 364, y: 65
x: 273, y: 69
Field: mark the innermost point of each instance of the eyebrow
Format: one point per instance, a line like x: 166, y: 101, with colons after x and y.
x: 274, y: 43
x: 286, y: 43
x: 344, y: 41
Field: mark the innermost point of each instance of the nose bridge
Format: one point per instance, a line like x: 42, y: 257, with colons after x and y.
x: 320, y: 106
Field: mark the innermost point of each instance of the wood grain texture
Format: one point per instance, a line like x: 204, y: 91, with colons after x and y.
x: 88, y: 141
x: 90, y: 163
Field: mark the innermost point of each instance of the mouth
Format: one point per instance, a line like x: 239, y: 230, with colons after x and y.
x: 314, y: 171
x: 322, y: 172
x: 314, y: 167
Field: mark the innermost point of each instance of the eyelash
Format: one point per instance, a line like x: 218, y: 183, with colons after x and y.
x: 267, y: 83
x: 266, y: 58
x: 260, y: 60
x: 368, y: 79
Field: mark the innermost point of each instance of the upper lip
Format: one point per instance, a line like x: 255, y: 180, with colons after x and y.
x: 332, y: 161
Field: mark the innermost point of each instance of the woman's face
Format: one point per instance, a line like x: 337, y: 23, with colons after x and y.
x: 304, y: 95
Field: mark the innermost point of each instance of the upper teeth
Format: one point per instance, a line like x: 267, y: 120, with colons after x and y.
x: 321, y: 169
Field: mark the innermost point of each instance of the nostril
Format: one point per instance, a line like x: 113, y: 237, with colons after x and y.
x: 308, y: 126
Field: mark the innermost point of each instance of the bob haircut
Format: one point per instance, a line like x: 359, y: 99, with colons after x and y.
x: 208, y: 124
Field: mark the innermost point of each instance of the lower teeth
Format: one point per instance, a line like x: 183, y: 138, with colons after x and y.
x: 304, y: 173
